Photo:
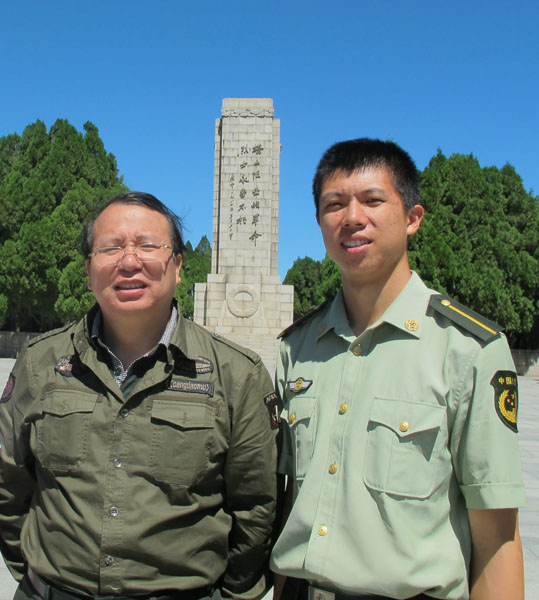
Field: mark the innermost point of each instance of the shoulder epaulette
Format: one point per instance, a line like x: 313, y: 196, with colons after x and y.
x: 302, y: 320
x: 48, y: 334
x: 468, y: 319
x: 252, y: 356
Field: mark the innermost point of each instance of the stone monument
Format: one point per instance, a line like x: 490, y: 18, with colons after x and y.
x: 243, y: 298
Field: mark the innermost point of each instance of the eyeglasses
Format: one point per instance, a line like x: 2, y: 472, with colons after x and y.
x: 149, y: 252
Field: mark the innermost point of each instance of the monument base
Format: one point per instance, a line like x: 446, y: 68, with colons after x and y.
x: 246, y: 310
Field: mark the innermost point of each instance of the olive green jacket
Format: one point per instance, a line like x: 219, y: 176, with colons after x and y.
x: 173, y: 488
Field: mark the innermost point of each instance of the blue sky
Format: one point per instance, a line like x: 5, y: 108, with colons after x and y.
x: 459, y: 76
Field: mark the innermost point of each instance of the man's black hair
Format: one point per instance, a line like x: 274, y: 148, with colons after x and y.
x: 140, y: 199
x: 360, y: 154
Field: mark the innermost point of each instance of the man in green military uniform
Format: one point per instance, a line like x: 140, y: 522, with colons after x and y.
x: 399, y: 413
x: 137, y: 455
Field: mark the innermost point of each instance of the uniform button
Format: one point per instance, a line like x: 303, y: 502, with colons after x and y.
x: 343, y: 408
x: 113, y: 511
x: 333, y: 468
x: 356, y: 350
x: 117, y: 463
x: 109, y: 560
x: 404, y: 426
x: 292, y: 418
x: 124, y: 413
x: 322, y: 530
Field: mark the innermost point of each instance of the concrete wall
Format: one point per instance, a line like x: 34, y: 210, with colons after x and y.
x: 12, y: 342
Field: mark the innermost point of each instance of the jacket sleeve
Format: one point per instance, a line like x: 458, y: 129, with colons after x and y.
x: 251, y: 484
x: 17, y: 478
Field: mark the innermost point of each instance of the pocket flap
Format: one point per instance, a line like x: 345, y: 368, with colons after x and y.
x: 300, y: 409
x: 185, y: 414
x: 406, y: 418
x: 68, y: 402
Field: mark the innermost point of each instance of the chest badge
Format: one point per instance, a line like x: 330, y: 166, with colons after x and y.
x: 506, y: 397
x: 203, y: 365
x: 299, y: 385
x: 64, y: 366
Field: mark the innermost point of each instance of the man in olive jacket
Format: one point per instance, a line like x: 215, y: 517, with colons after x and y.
x: 137, y: 455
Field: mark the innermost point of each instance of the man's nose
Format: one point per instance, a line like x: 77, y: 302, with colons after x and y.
x: 129, y: 259
x: 355, y: 214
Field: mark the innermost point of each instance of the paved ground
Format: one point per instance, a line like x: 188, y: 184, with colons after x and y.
x: 529, y: 517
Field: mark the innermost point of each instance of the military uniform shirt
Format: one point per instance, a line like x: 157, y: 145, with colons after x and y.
x: 389, y: 438
x: 172, y: 488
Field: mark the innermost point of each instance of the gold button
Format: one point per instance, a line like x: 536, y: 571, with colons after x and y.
x: 404, y: 426
x: 333, y: 468
x: 299, y: 383
x: 356, y: 350
x: 292, y: 418
x: 446, y: 303
x: 343, y: 408
x: 411, y: 325
x: 322, y: 530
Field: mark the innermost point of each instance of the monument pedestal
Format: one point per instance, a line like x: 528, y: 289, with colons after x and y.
x: 243, y: 298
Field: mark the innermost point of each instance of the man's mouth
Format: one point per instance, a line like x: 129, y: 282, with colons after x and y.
x: 355, y: 243
x: 129, y: 286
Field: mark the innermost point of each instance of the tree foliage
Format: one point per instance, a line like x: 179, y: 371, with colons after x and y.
x: 50, y: 183
x: 479, y: 243
x: 195, y: 268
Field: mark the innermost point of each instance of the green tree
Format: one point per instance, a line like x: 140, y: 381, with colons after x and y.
x: 50, y: 182
x: 479, y: 242
x: 304, y: 275
x: 195, y: 269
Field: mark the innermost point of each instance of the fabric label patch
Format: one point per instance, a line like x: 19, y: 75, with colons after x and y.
x: 505, y: 386
x: 273, y: 409
x: 8, y: 390
x: 192, y: 387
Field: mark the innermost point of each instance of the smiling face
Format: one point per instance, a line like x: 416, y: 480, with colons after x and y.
x: 130, y: 287
x: 365, y: 227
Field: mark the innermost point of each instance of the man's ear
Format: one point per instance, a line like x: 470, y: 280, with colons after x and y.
x: 177, y: 266
x: 87, y: 265
x: 414, y: 218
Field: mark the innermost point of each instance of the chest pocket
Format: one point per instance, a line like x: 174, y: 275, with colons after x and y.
x: 62, y: 432
x: 401, y: 457
x: 182, y: 434
x: 301, y: 422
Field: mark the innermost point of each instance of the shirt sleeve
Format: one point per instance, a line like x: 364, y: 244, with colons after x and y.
x: 485, y: 442
x: 251, y: 484
x: 17, y: 478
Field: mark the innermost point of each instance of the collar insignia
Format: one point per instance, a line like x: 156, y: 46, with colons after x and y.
x: 300, y: 385
x: 411, y: 325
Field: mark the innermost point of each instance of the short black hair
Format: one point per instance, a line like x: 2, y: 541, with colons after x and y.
x: 140, y: 199
x: 362, y: 153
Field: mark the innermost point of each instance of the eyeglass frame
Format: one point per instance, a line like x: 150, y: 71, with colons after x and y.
x: 95, y: 253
